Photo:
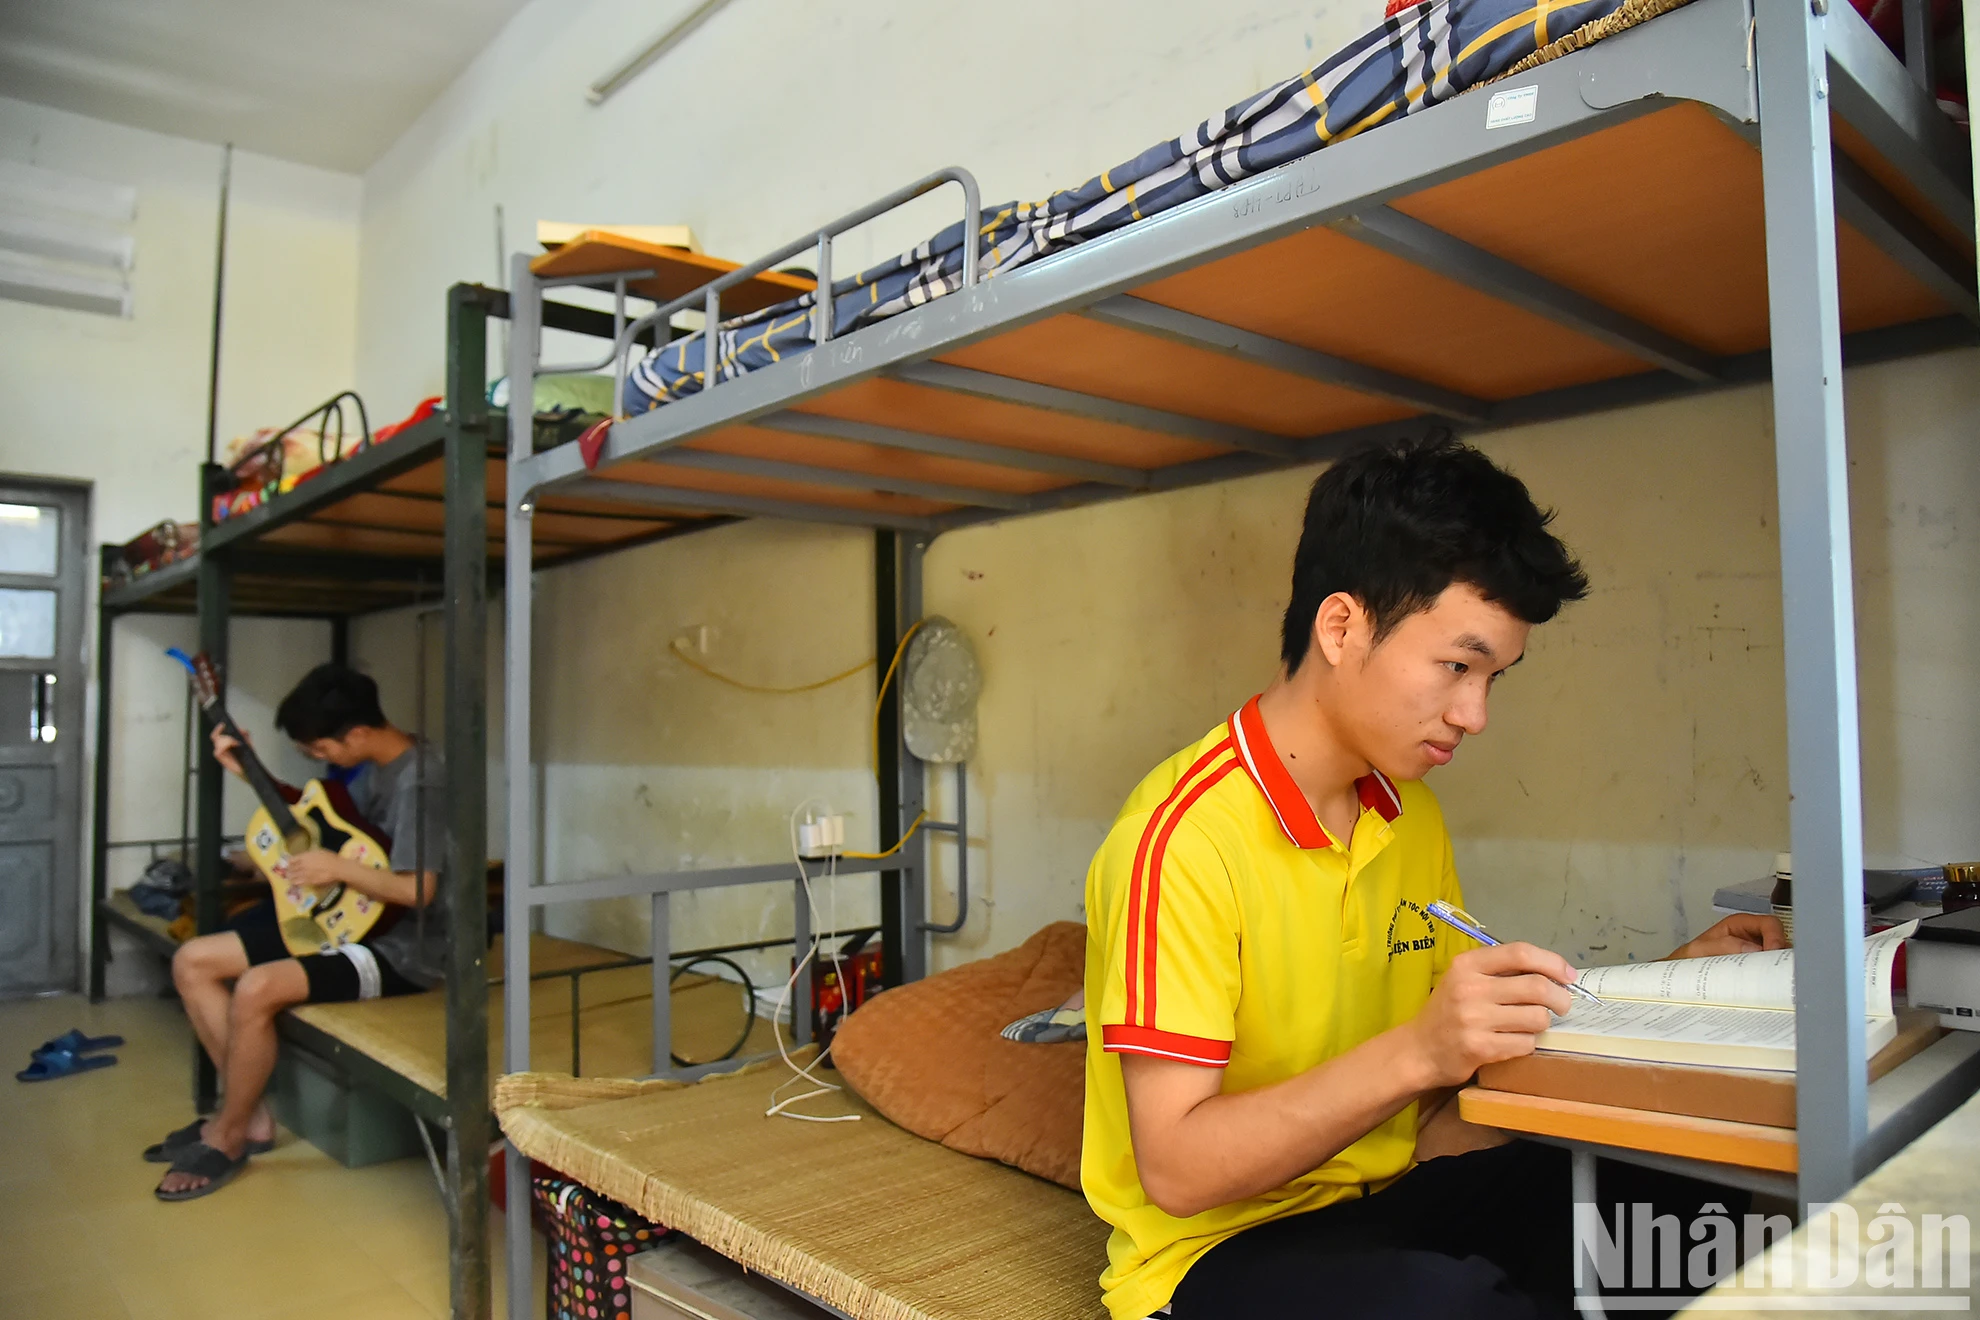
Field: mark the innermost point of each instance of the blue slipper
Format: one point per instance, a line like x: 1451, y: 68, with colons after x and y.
x: 73, y: 1041
x: 61, y: 1063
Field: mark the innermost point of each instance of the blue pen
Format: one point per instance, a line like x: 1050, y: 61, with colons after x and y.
x: 1459, y: 919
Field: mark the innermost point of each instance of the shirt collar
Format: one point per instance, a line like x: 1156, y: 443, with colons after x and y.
x: 1294, y: 814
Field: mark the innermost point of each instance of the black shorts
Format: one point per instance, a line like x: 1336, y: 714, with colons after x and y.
x: 334, y: 978
x: 1482, y: 1236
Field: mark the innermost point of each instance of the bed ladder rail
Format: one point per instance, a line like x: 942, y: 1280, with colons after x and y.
x: 709, y: 296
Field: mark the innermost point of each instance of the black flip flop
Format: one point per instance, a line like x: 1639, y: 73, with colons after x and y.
x: 164, y: 1152
x: 216, y: 1166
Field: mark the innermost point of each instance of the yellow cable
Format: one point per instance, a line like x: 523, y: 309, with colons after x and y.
x: 879, y: 703
x: 681, y: 654
x: 880, y: 697
x: 874, y: 857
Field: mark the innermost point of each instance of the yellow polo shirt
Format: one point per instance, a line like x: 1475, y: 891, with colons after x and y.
x: 1226, y: 928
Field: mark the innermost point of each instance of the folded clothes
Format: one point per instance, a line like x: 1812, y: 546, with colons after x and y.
x: 562, y: 393
x: 155, y: 901
x: 153, y: 549
x: 270, y: 463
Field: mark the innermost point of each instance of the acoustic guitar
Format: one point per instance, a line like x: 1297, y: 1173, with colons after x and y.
x: 312, y: 918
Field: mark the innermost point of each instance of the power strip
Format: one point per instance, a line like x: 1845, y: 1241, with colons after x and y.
x: 822, y: 836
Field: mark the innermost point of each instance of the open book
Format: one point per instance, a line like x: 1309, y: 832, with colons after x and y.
x: 1733, y: 1011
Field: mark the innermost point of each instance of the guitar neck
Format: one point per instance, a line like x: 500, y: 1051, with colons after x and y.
x: 267, y: 790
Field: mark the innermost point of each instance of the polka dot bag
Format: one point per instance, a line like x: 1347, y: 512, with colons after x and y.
x: 590, y: 1239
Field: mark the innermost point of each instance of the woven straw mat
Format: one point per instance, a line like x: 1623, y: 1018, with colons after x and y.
x: 863, y: 1216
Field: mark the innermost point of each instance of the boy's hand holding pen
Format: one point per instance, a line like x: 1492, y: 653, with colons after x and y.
x: 1460, y: 920
x: 1491, y: 1005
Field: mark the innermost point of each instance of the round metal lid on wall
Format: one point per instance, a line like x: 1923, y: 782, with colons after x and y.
x: 939, y: 691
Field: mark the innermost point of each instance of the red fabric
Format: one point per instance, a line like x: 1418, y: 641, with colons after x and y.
x: 1397, y: 6
x: 1886, y: 19
x: 427, y: 407
x: 592, y: 443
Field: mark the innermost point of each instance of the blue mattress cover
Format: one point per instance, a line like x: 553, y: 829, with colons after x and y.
x: 1420, y: 57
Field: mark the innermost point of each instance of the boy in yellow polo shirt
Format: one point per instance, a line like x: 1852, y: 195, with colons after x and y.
x: 1274, y: 1024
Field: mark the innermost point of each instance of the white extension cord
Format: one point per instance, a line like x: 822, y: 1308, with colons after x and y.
x: 782, y: 1108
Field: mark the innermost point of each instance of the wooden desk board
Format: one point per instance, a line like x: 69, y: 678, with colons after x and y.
x: 1749, y: 1145
x: 677, y: 271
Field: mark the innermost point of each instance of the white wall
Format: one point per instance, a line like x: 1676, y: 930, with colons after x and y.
x: 122, y: 403
x: 1637, y: 759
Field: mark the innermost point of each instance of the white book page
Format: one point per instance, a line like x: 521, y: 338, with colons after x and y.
x: 1740, y: 980
x: 1700, y: 1023
x: 1698, y: 1034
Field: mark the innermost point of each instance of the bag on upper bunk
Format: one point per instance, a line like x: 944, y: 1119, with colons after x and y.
x: 591, y: 1238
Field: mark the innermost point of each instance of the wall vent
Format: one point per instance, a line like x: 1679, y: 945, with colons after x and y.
x: 65, y: 240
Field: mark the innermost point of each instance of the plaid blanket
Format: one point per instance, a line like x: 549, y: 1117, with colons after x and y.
x: 1418, y: 57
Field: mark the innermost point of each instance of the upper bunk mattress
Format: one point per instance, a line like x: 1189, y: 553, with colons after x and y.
x: 1417, y: 58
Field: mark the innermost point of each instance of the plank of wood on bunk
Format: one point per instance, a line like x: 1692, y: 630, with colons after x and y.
x: 917, y: 410
x: 879, y: 462
x: 1659, y: 219
x: 676, y: 271
x: 1109, y: 362
x: 1322, y: 290
x: 797, y: 494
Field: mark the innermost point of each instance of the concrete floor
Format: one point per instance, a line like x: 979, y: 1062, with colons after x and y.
x: 295, y: 1235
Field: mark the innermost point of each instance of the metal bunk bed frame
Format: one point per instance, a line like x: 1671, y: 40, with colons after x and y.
x: 232, y: 573
x: 264, y: 587
x: 1720, y: 54
x: 243, y: 567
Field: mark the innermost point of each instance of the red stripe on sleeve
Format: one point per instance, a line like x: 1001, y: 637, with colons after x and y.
x: 1198, y: 1050
x: 1154, y: 878
x: 1134, y: 913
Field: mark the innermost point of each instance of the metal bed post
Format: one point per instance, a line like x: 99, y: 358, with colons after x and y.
x: 525, y: 319
x: 896, y: 932
x: 1818, y: 611
x: 99, y: 877
x: 215, y: 605
x: 913, y: 780
x: 1920, y: 60
x: 660, y: 944
x: 1587, y: 1289
x: 802, y: 934
x: 466, y: 853
x: 188, y: 771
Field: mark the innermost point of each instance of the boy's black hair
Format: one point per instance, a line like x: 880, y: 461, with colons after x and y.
x: 1397, y: 522
x: 330, y: 701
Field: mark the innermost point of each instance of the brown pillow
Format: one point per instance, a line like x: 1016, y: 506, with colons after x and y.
x: 928, y: 1056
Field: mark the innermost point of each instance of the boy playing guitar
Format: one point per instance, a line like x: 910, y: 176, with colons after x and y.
x: 234, y: 982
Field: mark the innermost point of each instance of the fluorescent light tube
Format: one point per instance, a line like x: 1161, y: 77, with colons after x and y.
x: 25, y: 280
x: 32, y: 188
x: 66, y: 241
